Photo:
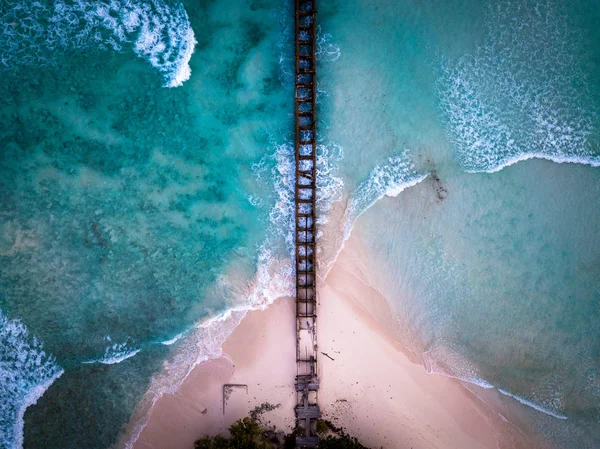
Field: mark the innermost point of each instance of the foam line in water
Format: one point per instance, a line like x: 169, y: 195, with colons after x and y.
x: 389, y: 179
x: 115, y: 353
x: 26, y: 372
x: 593, y: 161
x: 478, y: 382
x: 173, y: 340
x: 453, y: 364
x: 155, y: 31
x: 523, y: 93
x: 327, y: 50
x: 433, y: 367
x: 30, y: 399
x: 532, y: 404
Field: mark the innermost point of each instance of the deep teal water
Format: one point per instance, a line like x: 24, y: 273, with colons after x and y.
x: 130, y: 211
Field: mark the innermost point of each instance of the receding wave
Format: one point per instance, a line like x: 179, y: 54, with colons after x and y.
x: 389, y: 179
x: 155, y: 31
x: 532, y: 404
x: 26, y: 372
x: 522, y: 94
x: 451, y: 364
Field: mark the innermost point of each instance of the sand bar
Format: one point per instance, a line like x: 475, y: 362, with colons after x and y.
x: 371, y: 387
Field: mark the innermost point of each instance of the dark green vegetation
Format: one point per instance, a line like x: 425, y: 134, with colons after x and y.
x: 245, y: 433
x: 252, y: 433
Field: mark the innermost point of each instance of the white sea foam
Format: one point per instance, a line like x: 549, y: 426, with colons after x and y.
x: 26, y: 372
x: 522, y: 94
x: 327, y: 50
x: 173, y: 340
x: 592, y: 160
x: 115, y: 353
x: 155, y: 31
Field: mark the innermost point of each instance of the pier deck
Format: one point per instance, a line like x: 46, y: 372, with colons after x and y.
x: 307, y: 381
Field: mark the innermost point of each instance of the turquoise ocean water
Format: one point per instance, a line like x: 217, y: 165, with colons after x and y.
x: 145, y: 187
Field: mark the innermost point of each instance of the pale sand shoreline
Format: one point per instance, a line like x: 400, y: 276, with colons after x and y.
x: 372, y: 387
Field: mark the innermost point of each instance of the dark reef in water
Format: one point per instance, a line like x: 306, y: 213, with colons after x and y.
x: 440, y: 190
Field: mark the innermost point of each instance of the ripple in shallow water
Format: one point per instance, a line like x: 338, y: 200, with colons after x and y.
x: 522, y: 94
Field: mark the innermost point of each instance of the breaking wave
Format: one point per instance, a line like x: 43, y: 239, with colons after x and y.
x: 173, y: 340
x: 115, y: 353
x: 156, y: 32
x: 522, y: 94
x: 26, y: 372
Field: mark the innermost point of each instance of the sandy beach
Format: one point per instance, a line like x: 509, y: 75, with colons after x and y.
x: 369, y: 384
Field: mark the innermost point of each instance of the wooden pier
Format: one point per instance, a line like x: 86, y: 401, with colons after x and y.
x: 307, y: 380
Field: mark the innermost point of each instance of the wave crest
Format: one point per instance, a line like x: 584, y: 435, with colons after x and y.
x: 159, y: 33
x: 26, y: 372
x: 115, y: 353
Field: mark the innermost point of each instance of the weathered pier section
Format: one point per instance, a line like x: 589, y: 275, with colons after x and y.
x: 307, y: 381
